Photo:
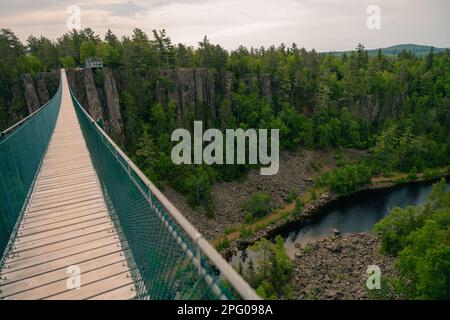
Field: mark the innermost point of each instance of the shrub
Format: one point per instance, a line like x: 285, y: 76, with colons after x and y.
x: 258, y: 205
x: 246, y: 232
x: 298, y: 207
x: 249, y: 217
x: 395, y: 228
x: 347, y: 179
x: 412, y: 175
x: 223, y: 244
x: 292, y: 196
x: 273, y: 275
x: 313, y: 193
x: 229, y: 230
x: 419, y: 237
x: 429, y: 174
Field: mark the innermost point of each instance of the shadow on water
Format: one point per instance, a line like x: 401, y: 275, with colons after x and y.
x: 351, y: 214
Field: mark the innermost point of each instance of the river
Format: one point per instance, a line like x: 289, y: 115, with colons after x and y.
x: 351, y: 214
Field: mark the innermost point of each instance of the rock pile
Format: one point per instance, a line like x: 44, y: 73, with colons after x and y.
x: 336, y: 268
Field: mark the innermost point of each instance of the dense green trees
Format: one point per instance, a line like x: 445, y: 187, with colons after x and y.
x: 272, y: 276
x: 420, y: 239
x: 347, y: 178
x: 258, y: 205
x: 395, y: 107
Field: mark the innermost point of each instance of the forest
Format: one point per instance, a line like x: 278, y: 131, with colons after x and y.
x: 397, y: 108
x: 418, y: 236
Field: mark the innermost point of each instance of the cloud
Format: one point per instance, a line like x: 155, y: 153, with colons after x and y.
x: 321, y: 24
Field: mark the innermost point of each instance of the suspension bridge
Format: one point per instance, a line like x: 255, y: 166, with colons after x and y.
x: 79, y: 220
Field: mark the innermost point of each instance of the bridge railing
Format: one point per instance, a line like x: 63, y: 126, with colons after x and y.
x: 22, y: 149
x: 169, y: 258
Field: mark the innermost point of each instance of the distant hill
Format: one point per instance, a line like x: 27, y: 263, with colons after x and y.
x: 418, y: 50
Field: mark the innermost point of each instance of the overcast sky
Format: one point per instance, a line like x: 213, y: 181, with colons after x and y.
x: 321, y: 24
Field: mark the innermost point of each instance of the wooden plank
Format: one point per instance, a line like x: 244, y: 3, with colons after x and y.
x: 95, y: 288
x: 127, y: 292
x: 60, y: 287
x: 64, y: 189
x: 65, y: 173
x: 65, y: 196
x: 42, y: 269
x: 44, y: 187
x: 59, y: 223
x: 61, y: 245
x: 68, y: 214
x: 65, y: 243
x: 60, y: 254
x: 61, y: 237
x: 63, y: 203
x: 40, y: 212
x: 59, y: 178
x: 36, y: 236
x: 59, y: 274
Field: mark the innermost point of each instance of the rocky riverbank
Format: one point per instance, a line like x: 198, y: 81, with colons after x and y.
x: 229, y: 197
x: 275, y: 228
x: 335, y: 268
x: 296, y: 171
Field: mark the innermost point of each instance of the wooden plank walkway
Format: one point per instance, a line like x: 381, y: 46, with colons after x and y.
x: 66, y: 223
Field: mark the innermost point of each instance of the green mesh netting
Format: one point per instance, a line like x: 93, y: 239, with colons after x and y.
x: 162, y: 256
x: 22, y: 150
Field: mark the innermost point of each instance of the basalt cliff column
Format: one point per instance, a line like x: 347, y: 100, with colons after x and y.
x: 31, y: 96
x: 192, y: 91
x: 115, y: 124
x: 96, y: 91
x: 39, y: 89
x: 93, y: 101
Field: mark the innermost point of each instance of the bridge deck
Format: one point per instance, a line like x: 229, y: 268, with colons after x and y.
x: 66, y: 223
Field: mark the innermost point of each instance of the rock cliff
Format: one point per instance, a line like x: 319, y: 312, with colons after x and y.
x: 192, y: 90
x: 196, y: 92
x: 97, y: 92
x: 114, y: 123
x: 39, y: 89
x: 31, y: 96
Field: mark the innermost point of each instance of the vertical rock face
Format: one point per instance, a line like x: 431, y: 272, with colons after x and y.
x: 265, y: 86
x: 75, y: 78
x: 261, y: 82
x: 114, y: 124
x: 31, y: 96
x: 93, y: 102
x: 192, y: 90
x: 205, y: 87
x: 40, y: 89
x: 100, y: 99
x: 227, y: 79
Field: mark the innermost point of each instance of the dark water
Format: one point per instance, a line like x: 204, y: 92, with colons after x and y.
x: 356, y: 213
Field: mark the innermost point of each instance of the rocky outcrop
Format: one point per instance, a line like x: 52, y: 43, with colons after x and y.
x: 227, y: 79
x: 98, y: 94
x: 93, y: 102
x: 31, y: 96
x: 75, y: 77
x: 39, y: 89
x: 114, y: 124
x: 229, y: 197
x: 192, y: 90
x: 261, y: 82
x: 336, y: 268
x: 265, y: 86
